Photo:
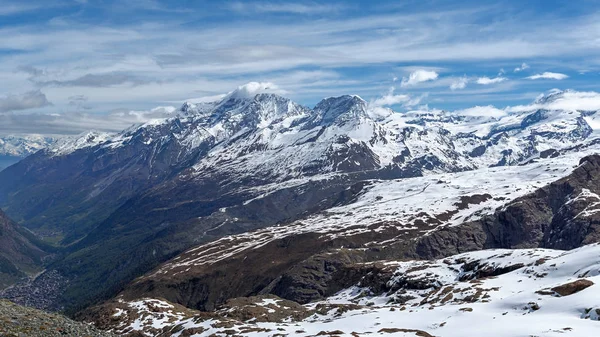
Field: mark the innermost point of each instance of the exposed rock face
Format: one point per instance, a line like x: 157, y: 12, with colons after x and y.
x: 562, y: 215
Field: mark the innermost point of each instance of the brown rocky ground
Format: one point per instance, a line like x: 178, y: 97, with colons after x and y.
x: 18, y: 321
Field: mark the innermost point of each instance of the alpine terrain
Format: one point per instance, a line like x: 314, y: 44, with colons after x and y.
x: 253, y: 215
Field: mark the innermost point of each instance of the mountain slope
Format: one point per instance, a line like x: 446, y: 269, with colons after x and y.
x: 21, y: 254
x: 16, y: 320
x: 243, y: 142
x: 562, y: 215
x: 523, y: 292
x: 316, y: 257
x: 124, y: 203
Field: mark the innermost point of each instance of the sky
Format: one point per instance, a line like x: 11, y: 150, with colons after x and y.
x: 67, y: 66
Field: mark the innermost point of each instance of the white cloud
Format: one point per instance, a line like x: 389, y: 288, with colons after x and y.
x: 379, y: 108
x: 459, y: 83
x: 548, y: 75
x: 206, y: 99
x: 252, y: 89
x: 160, y: 59
x: 18, y: 8
x: 523, y: 66
x: 419, y: 76
x: 142, y: 116
x: 75, y: 122
x: 486, y: 80
x: 482, y: 111
x: 563, y: 100
x: 391, y: 98
x: 292, y: 8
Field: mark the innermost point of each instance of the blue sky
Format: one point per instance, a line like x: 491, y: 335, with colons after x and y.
x: 70, y: 65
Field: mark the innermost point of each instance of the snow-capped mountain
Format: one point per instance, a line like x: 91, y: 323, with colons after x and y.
x: 254, y: 160
x: 272, y: 137
x: 17, y: 146
x: 66, y: 145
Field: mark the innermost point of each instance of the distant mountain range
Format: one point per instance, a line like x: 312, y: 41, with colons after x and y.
x: 15, y: 148
x: 255, y: 194
x: 22, y: 146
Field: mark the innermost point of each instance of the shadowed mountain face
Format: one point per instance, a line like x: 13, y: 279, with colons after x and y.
x: 21, y: 254
x: 122, y: 204
x: 563, y: 215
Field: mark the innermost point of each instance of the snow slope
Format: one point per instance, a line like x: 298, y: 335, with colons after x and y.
x: 435, y: 200
x: 450, y: 297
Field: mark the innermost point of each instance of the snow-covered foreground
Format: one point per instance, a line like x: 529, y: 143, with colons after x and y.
x: 528, y: 292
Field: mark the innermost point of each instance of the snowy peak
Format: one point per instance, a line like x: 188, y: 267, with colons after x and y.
x: 88, y: 139
x: 273, y: 108
x: 250, y: 90
x: 341, y: 109
x: 552, y: 96
x: 254, y: 128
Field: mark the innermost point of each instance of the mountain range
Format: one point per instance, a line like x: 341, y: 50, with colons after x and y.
x: 256, y: 195
x: 15, y: 148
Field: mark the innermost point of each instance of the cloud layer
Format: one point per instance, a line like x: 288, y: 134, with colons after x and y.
x: 91, y: 58
x: 73, y: 123
x: 486, y: 80
x: 28, y: 100
x: 548, y: 76
x: 523, y: 66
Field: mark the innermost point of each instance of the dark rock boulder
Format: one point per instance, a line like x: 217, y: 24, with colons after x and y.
x: 572, y: 287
